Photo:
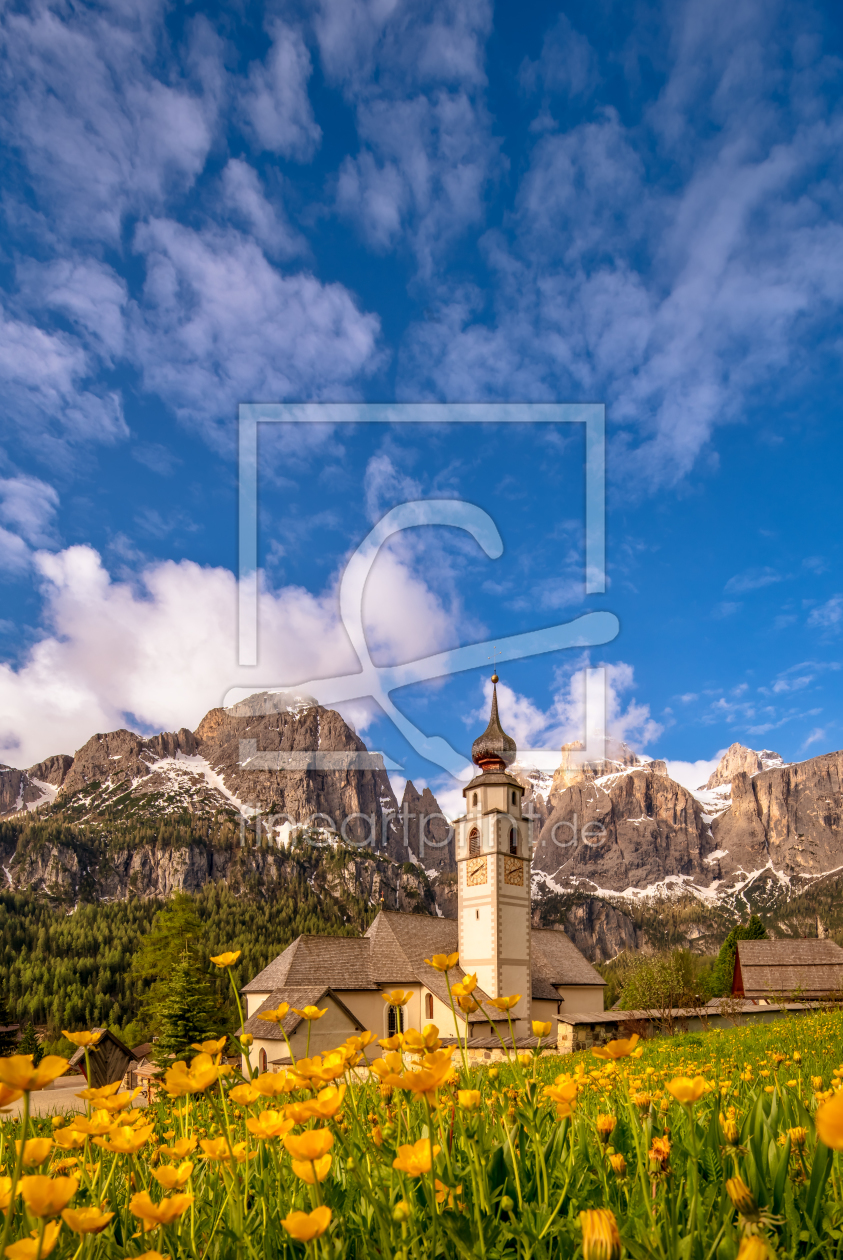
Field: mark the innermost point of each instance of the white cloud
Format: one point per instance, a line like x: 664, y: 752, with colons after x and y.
x: 99, y: 133
x: 752, y: 580
x: 274, y: 102
x: 28, y: 506
x: 816, y: 735
x: 243, y: 193
x: 219, y: 325
x: 693, y: 774
x: 829, y: 615
x: 87, y: 291
x: 161, y: 651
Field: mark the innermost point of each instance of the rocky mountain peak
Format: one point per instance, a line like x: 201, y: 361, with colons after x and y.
x: 738, y: 759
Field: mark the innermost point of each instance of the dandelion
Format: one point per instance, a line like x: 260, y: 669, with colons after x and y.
x: 741, y: 1197
x: 798, y: 1137
x: 731, y: 1132
x: 660, y: 1150
x: 600, y: 1237
x: 753, y: 1248
x: 416, y: 1158
x: 305, y: 1226
x: 618, y: 1164
x: 29, y: 1248
x: 642, y: 1101
x: 226, y: 960
x: 86, y: 1220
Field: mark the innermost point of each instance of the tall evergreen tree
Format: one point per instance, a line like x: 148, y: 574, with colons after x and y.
x: 187, y: 1013
x: 724, y: 969
x: 8, y: 1040
x: 30, y: 1044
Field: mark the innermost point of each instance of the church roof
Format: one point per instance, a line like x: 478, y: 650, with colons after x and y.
x: 393, y: 953
x: 494, y: 745
x: 297, y: 996
x: 337, y: 962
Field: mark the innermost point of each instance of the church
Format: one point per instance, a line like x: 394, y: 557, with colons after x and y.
x: 492, y: 934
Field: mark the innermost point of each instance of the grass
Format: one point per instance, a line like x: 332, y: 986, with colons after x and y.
x: 426, y: 1156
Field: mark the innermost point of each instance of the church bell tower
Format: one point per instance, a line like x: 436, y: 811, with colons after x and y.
x: 493, y: 873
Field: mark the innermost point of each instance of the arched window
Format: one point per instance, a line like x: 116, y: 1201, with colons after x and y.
x: 513, y: 840
x: 428, y: 1006
x: 474, y: 840
x: 395, y: 1021
x: 262, y: 1060
x: 474, y: 801
x: 513, y: 796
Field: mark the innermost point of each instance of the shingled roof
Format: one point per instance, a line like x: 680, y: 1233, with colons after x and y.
x: 393, y: 953
x: 297, y: 996
x: 810, y: 968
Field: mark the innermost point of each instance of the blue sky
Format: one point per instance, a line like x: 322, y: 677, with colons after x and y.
x: 636, y: 205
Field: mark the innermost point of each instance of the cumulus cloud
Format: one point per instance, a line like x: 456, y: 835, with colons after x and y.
x: 162, y: 650
x: 218, y: 325
x: 274, y: 103
x: 97, y: 131
x: 693, y: 774
x: 252, y: 210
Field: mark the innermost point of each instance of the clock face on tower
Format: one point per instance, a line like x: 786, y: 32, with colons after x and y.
x: 475, y: 871
x: 513, y: 871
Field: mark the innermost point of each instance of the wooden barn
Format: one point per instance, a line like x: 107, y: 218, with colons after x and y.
x: 809, y: 970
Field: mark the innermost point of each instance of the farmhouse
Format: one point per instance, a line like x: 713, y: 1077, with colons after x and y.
x: 804, y: 969
x: 492, y: 935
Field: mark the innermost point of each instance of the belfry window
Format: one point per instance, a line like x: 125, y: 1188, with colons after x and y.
x: 513, y: 840
x: 513, y: 797
x: 474, y: 802
x: 474, y: 840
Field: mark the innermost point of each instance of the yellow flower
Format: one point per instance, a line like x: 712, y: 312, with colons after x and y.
x: 269, y: 1084
x: 35, y: 1151
x: 465, y: 987
x: 8, y: 1095
x: 310, y: 1012
x: 753, y: 1248
x: 798, y: 1136
x: 600, y: 1237
x: 310, y: 1145
x: 616, y: 1049
x: 244, y: 1094
x: 397, y: 997
x: 469, y: 1099
x: 163, y: 1213
x: 618, y: 1163
x: 82, y: 1039
x: 829, y: 1122
x: 605, y: 1126
x: 416, y: 1159
x: 6, y: 1192
x: 741, y: 1196
x: 505, y: 1003
x: 179, y: 1149
x: 181, y: 1079
x: 323, y: 1107
x: 541, y: 1028
x: 687, y: 1090
x: 392, y: 1043
x: 443, y: 962
x: 269, y: 1124
x: 305, y: 1226
x: 816, y: 1082
x: 660, y: 1150
x: 427, y: 1039
x: 445, y: 1193
x: 97, y: 1124
x: 320, y: 1068
x: 86, y: 1220
x: 277, y: 1016
x: 467, y: 1003
x: 124, y: 1140
x: 312, y: 1170
x: 173, y: 1178
x: 47, y: 1196
x: 731, y: 1132
x: 642, y: 1101
x: 210, y: 1047
x: 226, y: 960
x: 151, y: 1255
x: 28, y: 1248
x: 19, y: 1072
x: 119, y: 1101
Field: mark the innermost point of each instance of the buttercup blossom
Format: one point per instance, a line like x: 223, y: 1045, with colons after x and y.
x: 686, y: 1090
x: 416, y: 1158
x: 443, y: 962
x: 226, y: 960
x: 18, y: 1071
x: 154, y: 1214
x: 86, y: 1220
x: 616, y: 1049
x: 47, y: 1196
x: 172, y: 1178
x: 829, y: 1122
x: 276, y: 1016
x: 305, y: 1226
x: 397, y: 997
x: 28, y: 1248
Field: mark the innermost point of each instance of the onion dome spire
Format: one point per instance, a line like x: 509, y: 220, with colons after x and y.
x: 494, y: 749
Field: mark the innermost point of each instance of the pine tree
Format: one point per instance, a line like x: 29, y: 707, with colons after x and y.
x: 186, y: 1015
x: 30, y: 1044
x: 724, y: 968
x: 8, y: 1040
